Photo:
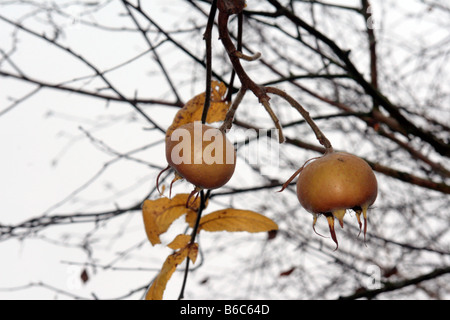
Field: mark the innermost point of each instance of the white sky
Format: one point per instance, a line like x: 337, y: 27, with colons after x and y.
x: 46, y: 128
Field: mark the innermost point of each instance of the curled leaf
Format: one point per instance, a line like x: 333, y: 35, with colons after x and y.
x: 287, y: 272
x: 193, y: 109
x: 156, y: 290
x: 159, y: 214
x: 236, y: 220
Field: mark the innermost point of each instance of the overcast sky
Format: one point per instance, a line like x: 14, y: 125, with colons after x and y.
x: 47, y: 155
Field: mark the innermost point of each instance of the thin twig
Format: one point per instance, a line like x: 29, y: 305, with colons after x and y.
x: 276, y: 121
x: 202, y: 206
x: 208, y: 40
x: 239, y: 47
x: 92, y: 94
x: 231, y: 112
x: 305, y: 114
x: 344, y: 55
x: 153, y: 49
x: 224, y: 35
x: 392, y: 286
x: 235, y: 56
x: 367, y: 14
x: 89, y: 64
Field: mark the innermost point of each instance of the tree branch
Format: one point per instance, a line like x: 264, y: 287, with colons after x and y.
x: 440, y: 146
x: 106, y: 97
x: 88, y: 64
x: 392, y: 286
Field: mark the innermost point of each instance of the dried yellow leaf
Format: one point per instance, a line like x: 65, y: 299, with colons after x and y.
x: 191, y: 217
x: 179, y: 242
x: 236, y: 220
x: 193, y: 109
x: 159, y: 214
x: 193, y: 252
x: 156, y: 291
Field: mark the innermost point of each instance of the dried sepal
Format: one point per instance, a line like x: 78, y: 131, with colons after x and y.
x: 339, y: 214
x: 330, y: 219
x: 358, y: 211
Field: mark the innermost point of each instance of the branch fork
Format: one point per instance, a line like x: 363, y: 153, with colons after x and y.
x: 227, y: 8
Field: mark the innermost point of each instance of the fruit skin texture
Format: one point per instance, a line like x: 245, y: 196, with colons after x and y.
x: 206, y: 169
x: 336, y: 181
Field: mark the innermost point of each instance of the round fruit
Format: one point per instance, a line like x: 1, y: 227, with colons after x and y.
x: 334, y: 183
x: 204, y: 156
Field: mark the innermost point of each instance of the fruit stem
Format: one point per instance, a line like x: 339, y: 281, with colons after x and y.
x: 296, y: 173
x: 276, y: 121
x: 203, y: 199
x: 231, y: 112
x: 305, y: 114
x: 226, y: 8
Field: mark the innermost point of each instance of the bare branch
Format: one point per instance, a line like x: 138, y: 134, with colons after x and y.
x: 392, y: 286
